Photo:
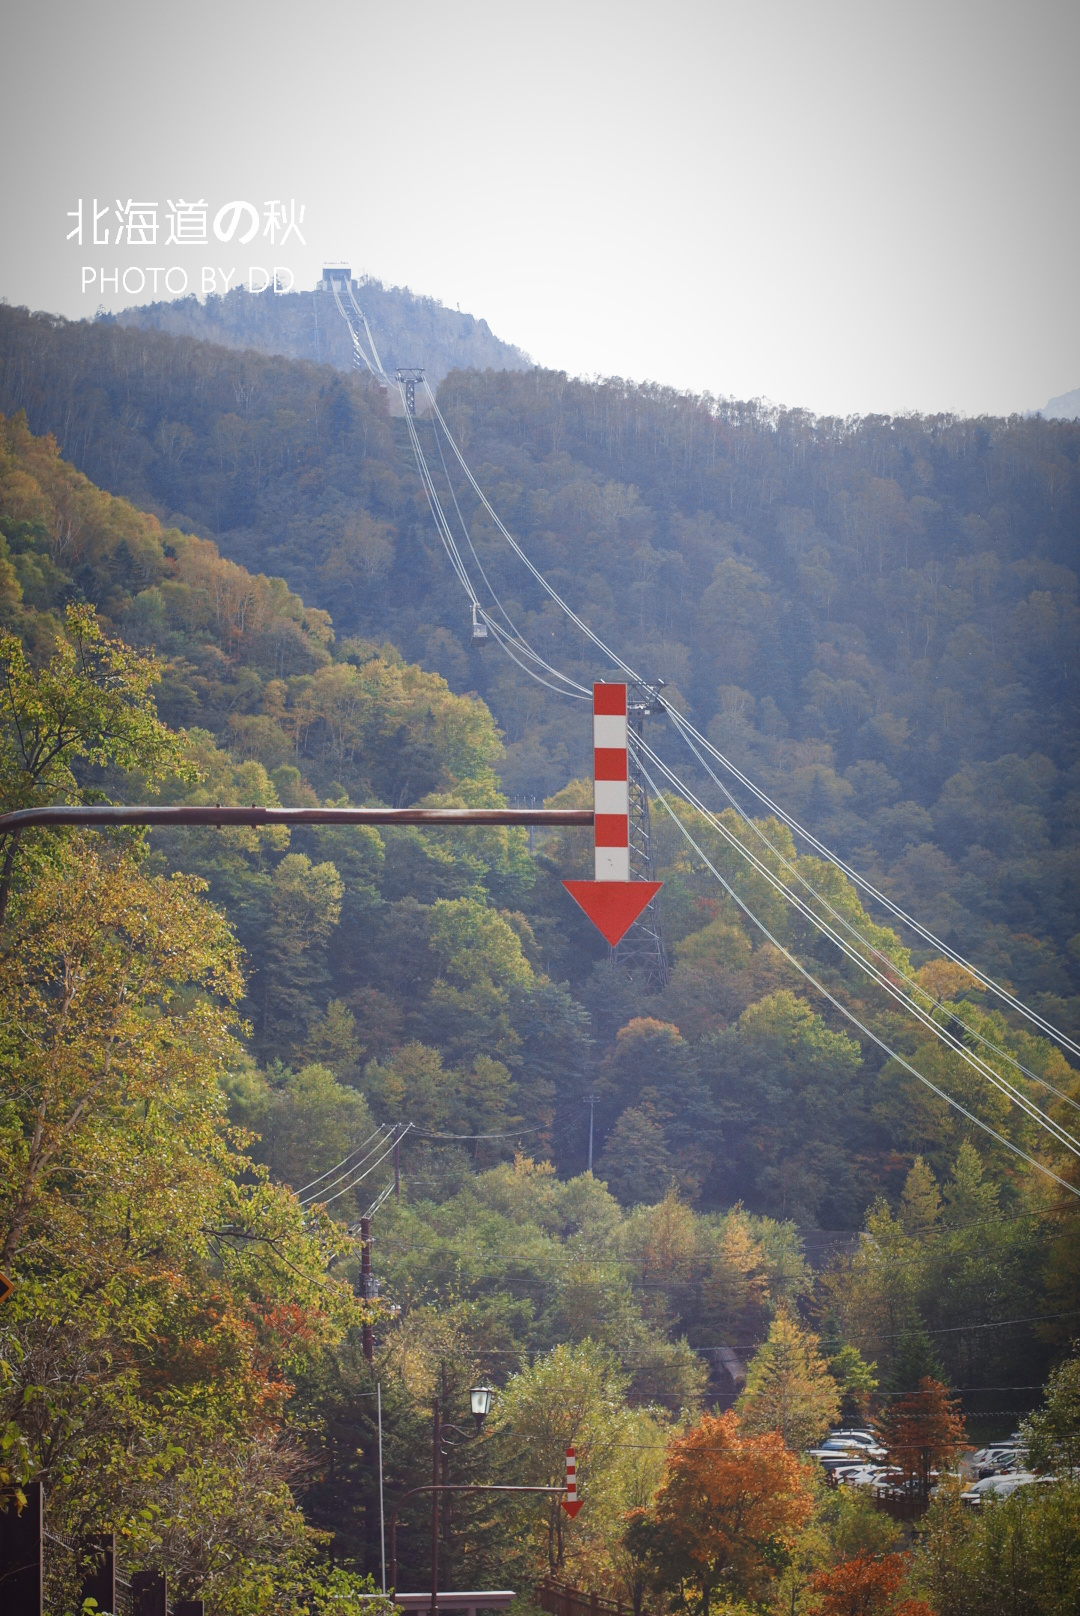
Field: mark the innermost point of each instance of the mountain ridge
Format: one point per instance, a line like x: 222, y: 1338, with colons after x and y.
x: 410, y: 330
x: 1066, y: 407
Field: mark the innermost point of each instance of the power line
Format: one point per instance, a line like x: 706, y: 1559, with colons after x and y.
x: 848, y: 1014
x: 518, y: 1133
x: 344, y: 1160
x: 687, y: 730
x: 394, y: 1136
x: 306, y: 1197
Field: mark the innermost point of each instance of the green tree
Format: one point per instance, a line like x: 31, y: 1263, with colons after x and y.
x: 305, y: 905
x: 1021, y: 1554
x: 91, y: 704
x: 788, y: 1386
x: 1052, y: 1436
x: 164, y: 1290
x: 573, y: 1396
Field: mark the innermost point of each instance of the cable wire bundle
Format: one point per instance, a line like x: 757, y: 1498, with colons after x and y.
x: 815, y: 907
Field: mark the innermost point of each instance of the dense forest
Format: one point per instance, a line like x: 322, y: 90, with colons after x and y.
x: 219, y: 583
x: 879, y: 618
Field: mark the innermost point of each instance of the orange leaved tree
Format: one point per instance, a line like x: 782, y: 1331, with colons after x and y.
x: 865, y: 1586
x: 924, y: 1432
x: 725, y: 1515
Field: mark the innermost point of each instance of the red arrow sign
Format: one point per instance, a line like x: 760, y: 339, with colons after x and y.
x: 612, y: 902
x: 613, y: 906
x: 571, y: 1503
x: 6, y: 1287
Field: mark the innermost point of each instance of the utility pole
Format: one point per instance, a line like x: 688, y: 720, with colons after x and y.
x: 590, y: 1101
x: 367, y: 1287
x: 382, y: 1511
x: 435, y: 1490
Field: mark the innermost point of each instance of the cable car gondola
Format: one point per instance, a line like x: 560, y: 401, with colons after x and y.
x: 479, y: 627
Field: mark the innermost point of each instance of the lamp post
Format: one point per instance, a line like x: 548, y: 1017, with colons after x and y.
x: 480, y: 1404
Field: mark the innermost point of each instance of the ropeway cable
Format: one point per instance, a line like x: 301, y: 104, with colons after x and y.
x: 519, y: 639
x: 943, y: 1033
x: 367, y: 328
x: 518, y: 644
x: 516, y: 638
x: 520, y: 553
x: 687, y: 729
x: 358, y: 347
x: 849, y: 926
x: 843, y: 1009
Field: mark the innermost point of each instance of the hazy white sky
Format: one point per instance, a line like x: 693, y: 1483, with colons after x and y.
x: 847, y: 206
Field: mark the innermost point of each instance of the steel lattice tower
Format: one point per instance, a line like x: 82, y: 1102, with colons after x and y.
x: 641, y: 952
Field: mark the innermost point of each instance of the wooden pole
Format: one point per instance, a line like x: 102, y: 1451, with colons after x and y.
x: 367, y: 1333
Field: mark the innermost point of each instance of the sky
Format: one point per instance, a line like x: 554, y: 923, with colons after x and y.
x: 848, y: 207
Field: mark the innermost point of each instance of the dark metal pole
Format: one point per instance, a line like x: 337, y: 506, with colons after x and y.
x: 454, y: 1487
x: 153, y: 814
x: 592, y: 1107
x: 435, y: 1489
x: 397, y: 1171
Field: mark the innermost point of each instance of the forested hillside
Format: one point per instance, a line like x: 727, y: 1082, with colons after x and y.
x: 408, y: 330
x: 876, y: 617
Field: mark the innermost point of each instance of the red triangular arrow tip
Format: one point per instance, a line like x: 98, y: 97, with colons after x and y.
x: 572, y: 1508
x: 612, y: 906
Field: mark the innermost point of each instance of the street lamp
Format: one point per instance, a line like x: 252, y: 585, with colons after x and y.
x: 480, y: 1402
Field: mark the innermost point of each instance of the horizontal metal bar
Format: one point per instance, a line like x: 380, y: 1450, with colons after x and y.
x: 474, y: 1487
x: 152, y: 814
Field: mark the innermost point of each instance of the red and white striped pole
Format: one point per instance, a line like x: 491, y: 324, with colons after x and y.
x: 612, y: 902
x: 611, y: 784
x: 571, y: 1503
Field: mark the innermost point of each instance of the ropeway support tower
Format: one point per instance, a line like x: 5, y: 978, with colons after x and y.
x: 604, y: 900
x: 641, y: 953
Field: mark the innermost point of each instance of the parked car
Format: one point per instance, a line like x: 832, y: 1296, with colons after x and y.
x: 861, y: 1475
x: 998, y: 1460
x: 1002, y: 1486
x: 839, y: 1450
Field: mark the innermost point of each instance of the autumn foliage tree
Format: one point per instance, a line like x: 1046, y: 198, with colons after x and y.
x: 865, y: 1585
x: 165, y: 1291
x: 725, y: 1516
x: 923, y: 1432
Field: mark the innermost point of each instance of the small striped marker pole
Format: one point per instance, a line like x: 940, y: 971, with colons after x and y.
x: 571, y: 1503
x: 612, y: 902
